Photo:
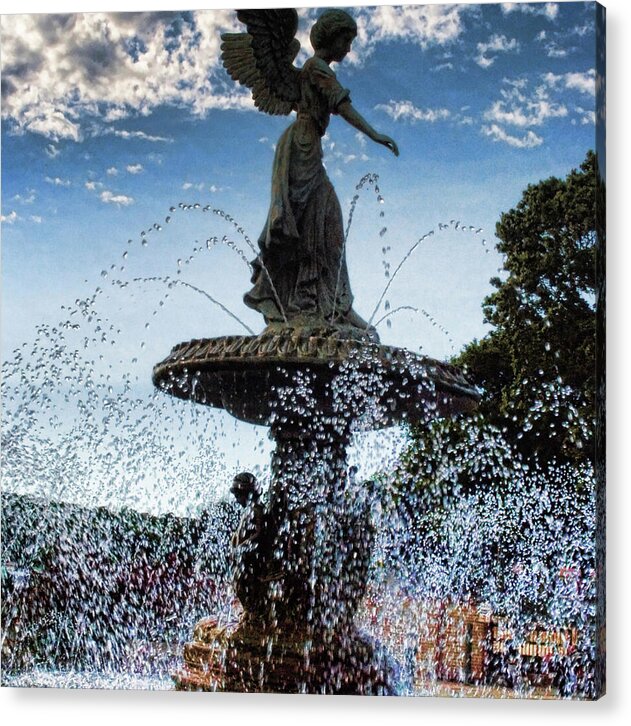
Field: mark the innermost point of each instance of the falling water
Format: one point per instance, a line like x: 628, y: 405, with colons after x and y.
x: 97, y: 594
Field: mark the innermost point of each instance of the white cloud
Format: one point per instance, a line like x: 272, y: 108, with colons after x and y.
x: 47, y: 120
x: 582, y: 82
x: 134, y: 168
x: 190, y: 185
x: 109, y: 197
x: 422, y: 24
x: 516, y: 108
x: 57, y: 181
x: 582, y: 30
x: 586, y: 116
x: 213, y: 189
x: 495, y: 44
x: 407, y: 111
x: 93, y: 185
x: 554, y: 51
x: 52, y: 151
x: 112, y: 171
x: 25, y: 200
x: 116, y: 114
x: 64, y: 73
x: 9, y: 218
x: 529, y: 141
x: 35, y: 218
x: 59, y: 70
x: 123, y: 134
x: 549, y: 10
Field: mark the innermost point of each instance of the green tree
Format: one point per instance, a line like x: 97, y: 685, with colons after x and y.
x: 537, y: 366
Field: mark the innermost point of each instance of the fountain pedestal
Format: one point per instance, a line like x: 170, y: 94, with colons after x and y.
x: 301, y: 577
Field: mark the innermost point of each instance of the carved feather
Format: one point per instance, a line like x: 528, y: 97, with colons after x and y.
x: 262, y: 58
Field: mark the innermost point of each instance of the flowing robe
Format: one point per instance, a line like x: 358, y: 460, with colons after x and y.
x: 301, y: 268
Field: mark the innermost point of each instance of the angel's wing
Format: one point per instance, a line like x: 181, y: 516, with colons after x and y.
x: 262, y: 58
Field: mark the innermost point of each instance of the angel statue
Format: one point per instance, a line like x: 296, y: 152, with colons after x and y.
x: 300, y: 275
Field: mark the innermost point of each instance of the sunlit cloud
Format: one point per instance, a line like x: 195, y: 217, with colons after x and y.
x: 10, y: 218
x: 548, y: 10
x: 407, y: 111
x: 57, y: 181
x: 109, y: 197
x: 65, y: 75
x: 25, y: 199
x: 528, y: 141
x: 496, y: 44
x: 198, y: 186
x: 582, y: 82
x: 519, y: 108
x: 123, y: 134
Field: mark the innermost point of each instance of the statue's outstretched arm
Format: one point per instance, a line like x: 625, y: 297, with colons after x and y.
x: 355, y: 119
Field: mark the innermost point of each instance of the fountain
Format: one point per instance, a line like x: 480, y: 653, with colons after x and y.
x: 463, y: 568
x: 315, y: 375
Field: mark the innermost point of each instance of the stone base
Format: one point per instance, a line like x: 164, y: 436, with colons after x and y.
x: 251, y: 660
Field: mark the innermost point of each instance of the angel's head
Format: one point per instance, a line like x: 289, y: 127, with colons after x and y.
x: 333, y: 33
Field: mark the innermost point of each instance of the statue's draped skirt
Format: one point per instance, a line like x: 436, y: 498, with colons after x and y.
x: 301, y: 268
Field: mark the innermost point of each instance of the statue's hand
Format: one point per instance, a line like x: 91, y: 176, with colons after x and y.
x: 388, y: 143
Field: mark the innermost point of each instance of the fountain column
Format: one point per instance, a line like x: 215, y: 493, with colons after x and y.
x: 302, y: 575
x: 298, y: 631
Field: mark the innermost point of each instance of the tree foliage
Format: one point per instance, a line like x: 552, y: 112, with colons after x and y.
x: 536, y: 371
x: 537, y: 366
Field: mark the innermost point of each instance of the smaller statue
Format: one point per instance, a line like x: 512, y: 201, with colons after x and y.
x: 245, y: 491
x: 248, y: 550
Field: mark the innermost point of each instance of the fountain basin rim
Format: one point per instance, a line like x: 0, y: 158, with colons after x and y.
x: 230, y: 369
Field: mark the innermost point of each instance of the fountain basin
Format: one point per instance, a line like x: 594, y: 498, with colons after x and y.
x: 371, y: 385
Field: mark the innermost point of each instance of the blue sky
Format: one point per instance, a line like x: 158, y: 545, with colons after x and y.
x: 109, y: 120
x: 105, y: 127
